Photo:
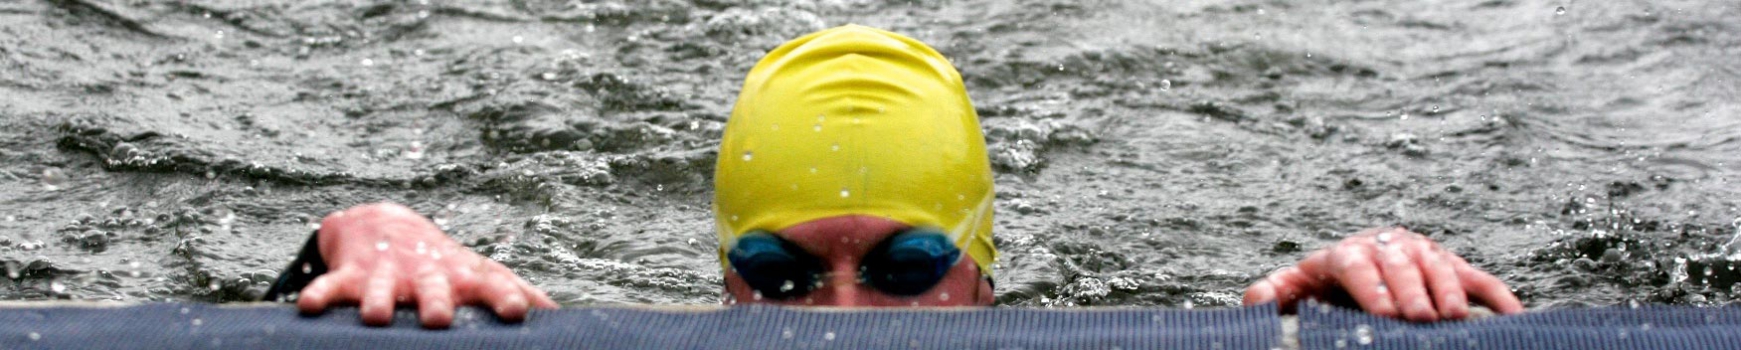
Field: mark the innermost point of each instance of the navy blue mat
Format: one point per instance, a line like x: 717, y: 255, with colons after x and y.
x: 1646, y: 327
x: 197, y: 326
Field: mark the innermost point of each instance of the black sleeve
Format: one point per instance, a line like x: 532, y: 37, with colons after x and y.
x: 301, y: 271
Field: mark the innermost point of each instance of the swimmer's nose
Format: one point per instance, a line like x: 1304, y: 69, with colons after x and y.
x: 844, y: 290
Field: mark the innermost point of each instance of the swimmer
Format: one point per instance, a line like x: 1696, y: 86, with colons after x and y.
x: 852, y: 173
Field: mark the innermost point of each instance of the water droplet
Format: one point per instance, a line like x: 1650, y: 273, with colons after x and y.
x: 748, y: 155
x: 1383, y: 238
x: 786, y: 333
x: 518, y: 39
x: 415, y: 151
x: 35, y: 337
x: 1435, y: 108
x: 828, y: 336
x: 757, y: 295
x: 944, y: 296
x: 818, y: 127
x: 836, y: 147
x: 307, y: 268
x: 197, y: 322
x: 548, y: 76
x: 1363, y: 334
x: 1166, y: 85
x: 812, y: 170
x: 787, y: 286
x: 381, y: 246
x: 368, y: 62
x: 52, y: 179
x: 57, y: 287
x: 845, y: 193
x: 1560, y: 10
x: 215, y: 286
x: 422, y: 248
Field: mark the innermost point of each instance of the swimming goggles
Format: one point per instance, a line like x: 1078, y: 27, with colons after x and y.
x: 906, y: 264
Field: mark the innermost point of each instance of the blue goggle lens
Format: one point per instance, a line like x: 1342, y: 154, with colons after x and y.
x: 909, y: 263
x: 776, y: 268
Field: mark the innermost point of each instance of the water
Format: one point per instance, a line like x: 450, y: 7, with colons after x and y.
x: 1147, y: 153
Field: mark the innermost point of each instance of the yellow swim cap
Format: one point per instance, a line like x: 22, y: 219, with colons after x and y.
x: 855, y: 121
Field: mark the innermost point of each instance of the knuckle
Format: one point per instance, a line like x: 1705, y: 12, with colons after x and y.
x: 1351, y: 264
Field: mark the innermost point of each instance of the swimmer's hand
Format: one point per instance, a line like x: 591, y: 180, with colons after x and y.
x: 382, y: 255
x: 1390, y: 272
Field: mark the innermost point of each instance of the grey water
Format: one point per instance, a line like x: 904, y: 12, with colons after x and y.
x: 1160, y: 153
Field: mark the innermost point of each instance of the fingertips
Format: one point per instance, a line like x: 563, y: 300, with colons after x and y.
x: 315, y: 298
x: 1403, y: 279
x: 377, y: 308
x: 1359, y: 275
x: 435, y: 304
x: 1286, y: 286
x: 505, y: 297
x: 327, y: 289
x: 1490, y: 290
x: 538, y: 297
x: 1259, y: 293
x: 1442, y: 280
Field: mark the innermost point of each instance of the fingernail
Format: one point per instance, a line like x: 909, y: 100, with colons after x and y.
x: 513, y: 302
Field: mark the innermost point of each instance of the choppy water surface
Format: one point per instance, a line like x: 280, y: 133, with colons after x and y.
x: 1149, y: 153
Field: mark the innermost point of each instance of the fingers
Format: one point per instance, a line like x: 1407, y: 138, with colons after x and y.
x: 1354, y: 269
x: 1403, y: 279
x: 539, y: 298
x: 1284, y: 287
x: 1441, y: 277
x: 377, y: 309
x: 328, y: 289
x: 1391, y: 272
x: 434, y: 301
x: 1288, y: 285
x: 504, y: 296
x: 1490, y: 290
x: 1259, y: 293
